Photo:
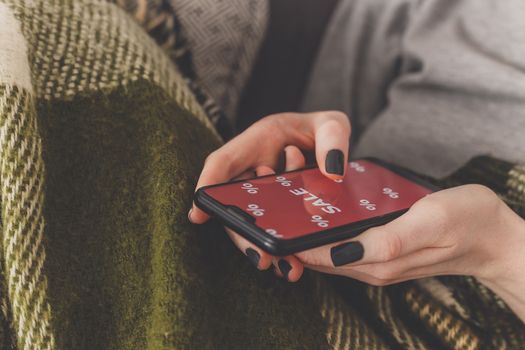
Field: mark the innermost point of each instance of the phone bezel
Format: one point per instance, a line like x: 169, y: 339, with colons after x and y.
x: 282, y: 247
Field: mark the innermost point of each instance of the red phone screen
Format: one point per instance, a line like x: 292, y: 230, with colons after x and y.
x: 304, y: 202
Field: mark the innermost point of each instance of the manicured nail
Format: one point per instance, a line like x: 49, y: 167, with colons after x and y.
x: 347, y: 253
x: 253, y: 256
x: 334, y: 163
x: 189, y: 215
x: 285, y: 267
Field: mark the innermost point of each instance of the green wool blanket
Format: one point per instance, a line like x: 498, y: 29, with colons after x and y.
x: 101, y: 143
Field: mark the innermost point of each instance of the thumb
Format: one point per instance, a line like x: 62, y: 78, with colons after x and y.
x: 332, y: 138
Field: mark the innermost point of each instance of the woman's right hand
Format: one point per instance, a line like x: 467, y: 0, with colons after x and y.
x: 257, y: 151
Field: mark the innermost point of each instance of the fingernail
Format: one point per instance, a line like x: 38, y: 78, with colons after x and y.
x: 347, y: 253
x: 189, y: 215
x: 281, y: 164
x: 285, y: 267
x: 253, y: 256
x: 334, y: 162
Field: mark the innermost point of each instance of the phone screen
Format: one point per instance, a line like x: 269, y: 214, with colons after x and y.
x: 299, y: 203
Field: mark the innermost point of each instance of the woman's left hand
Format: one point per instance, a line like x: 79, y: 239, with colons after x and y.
x: 465, y: 230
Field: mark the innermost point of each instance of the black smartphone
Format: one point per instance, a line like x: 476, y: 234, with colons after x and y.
x: 299, y: 210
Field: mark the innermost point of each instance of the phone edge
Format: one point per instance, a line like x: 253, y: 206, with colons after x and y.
x: 278, y: 247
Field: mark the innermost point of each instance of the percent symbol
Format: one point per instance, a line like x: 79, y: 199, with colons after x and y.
x: 390, y: 192
x: 274, y: 233
x: 320, y: 221
x: 357, y: 167
x: 254, y: 208
x: 367, y: 204
x: 283, y: 181
x: 251, y: 189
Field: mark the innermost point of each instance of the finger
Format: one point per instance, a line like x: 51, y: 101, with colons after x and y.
x: 426, y: 239
x: 228, y: 162
x: 419, y: 228
x: 400, y: 237
x: 260, y: 259
x: 248, y: 174
x: 288, y: 267
x: 364, y: 276
x: 294, y: 158
x: 260, y: 144
x: 264, y: 170
x: 425, y: 262
x: 217, y: 169
x: 211, y: 174
x: 257, y: 257
x: 357, y: 275
x: 370, y: 279
x: 332, y: 138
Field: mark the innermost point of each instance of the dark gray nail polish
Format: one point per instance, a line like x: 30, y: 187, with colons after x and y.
x: 285, y: 267
x: 253, y: 256
x: 347, y: 253
x: 334, y: 163
x: 281, y: 163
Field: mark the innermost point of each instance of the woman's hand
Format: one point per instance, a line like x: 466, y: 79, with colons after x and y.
x: 258, y: 150
x: 465, y: 230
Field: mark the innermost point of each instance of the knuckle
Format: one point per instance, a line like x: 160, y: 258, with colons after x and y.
x: 478, y: 188
x: 434, y: 206
x: 393, y: 246
x: 270, y: 123
x: 310, y: 258
x: 487, y: 201
x: 378, y: 282
x: 339, y: 116
x: 338, y: 119
x: 219, y: 159
x: 270, y: 129
x: 212, y: 157
x: 485, y: 193
x: 331, y: 125
x: 385, y: 273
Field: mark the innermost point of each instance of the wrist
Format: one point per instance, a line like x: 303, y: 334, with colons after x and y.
x: 506, y: 276
x: 510, y: 260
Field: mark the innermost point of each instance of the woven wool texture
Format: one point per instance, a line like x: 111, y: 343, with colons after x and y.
x: 59, y: 70
x: 159, y: 19
x: 22, y: 219
x: 102, y: 141
x: 224, y: 37
x: 21, y: 169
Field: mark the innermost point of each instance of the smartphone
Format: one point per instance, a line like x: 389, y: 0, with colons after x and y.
x: 299, y: 210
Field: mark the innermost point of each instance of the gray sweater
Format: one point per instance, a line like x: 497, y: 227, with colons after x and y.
x: 428, y: 84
